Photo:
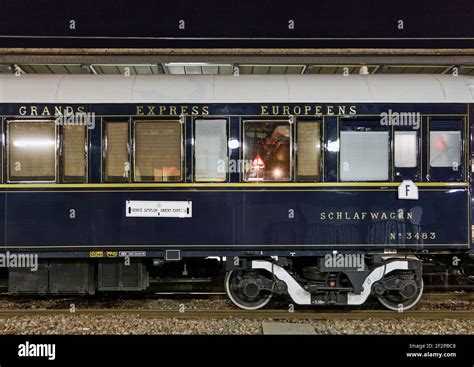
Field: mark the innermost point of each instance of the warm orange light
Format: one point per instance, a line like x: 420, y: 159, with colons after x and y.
x: 277, y: 173
x: 257, y: 163
x: 440, y: 145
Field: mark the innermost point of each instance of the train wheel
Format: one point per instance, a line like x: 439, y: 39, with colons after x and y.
x: 245, y: 291
x: 402, y: 300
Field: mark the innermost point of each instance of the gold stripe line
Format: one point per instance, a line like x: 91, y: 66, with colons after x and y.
x: 191, y: 247
x: 254, y: 185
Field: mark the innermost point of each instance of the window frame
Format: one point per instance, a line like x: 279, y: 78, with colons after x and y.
x: 406, y: 133
x: 408, y: 173
x: 3, y: 146
x: 447, y: 124
x: 291, y: 148
x: 105, y: 147
x: 134, y: 142
x: 227, y: 132
x: 61, y: 157
x: 56, y: 150
x: 297, y: 177
x: 368, y: 125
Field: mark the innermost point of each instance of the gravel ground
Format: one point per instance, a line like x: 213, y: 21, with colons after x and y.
x: 401, y: 326
x: 131, y: 324
x: 444, y: 305
x: 134, y: 324
x: 212, y: 303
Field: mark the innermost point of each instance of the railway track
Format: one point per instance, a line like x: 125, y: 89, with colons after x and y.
x: 465, y: 296
x: 259, y: 314
x: 93, y: 309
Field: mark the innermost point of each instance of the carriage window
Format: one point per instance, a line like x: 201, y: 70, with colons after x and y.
x: 32, y: 151
x: 158, y: 151
x: 117, y: 165
x: 405, y: 149
x: 267, y: 147
x: 210, y: 150
x: 445, y: 149
x: 364, y: 156
x: 309, y: 150
x: 73, y: 158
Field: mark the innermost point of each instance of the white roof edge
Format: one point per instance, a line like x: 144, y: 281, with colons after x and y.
x: 380, y: 88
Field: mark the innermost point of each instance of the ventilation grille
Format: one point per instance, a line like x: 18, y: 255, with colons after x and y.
x: 121, y: 277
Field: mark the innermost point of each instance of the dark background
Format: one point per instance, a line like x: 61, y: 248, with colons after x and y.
x: 258, y: 23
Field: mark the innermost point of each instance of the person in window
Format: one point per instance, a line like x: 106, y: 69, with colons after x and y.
x: 277, y: 158
x: 272, y: 155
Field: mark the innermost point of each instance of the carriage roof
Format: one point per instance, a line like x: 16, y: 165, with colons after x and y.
x: 236, y: 89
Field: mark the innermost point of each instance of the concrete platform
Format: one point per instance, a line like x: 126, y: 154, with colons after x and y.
x: 287, y: 328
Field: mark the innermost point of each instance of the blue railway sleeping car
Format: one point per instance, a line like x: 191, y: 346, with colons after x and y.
x: 326, y: 189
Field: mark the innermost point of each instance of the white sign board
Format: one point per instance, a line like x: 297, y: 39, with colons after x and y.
x: 159, y: 209
x: 408, y: 190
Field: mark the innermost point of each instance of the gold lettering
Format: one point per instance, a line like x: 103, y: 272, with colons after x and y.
x: 297, y: 110
x: 307, y: 109
x: 205, y: 110
x: 22, y: 110
x: 34, y: 111
x: 363, y: 215
x: 341, y: 110
x: 45, y: 111
x: 263, y: 110
x: 318, y: 110
x: 286, y: 110
x: 330, y: 110
x: 151, y: 110
x: 195, y: 110
x: 275, y: 110
x: 352, y: 110
x: 184, y: 110
x: 162, y: 110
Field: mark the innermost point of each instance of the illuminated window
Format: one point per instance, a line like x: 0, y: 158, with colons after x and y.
x: 210, y: 150
x: 73, y: 154
x: 445, y: 149
x: 364, y: 156
x: 32, y: 151
x: 309, y: 150
x: 267, y: 147
x: 158, y: 151
x: 405, y: 149
x: 117, y: 164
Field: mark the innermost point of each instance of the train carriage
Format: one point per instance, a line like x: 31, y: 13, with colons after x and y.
x: 326, y: 189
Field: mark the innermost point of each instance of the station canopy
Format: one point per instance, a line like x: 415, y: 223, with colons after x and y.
x: 196, y: 68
